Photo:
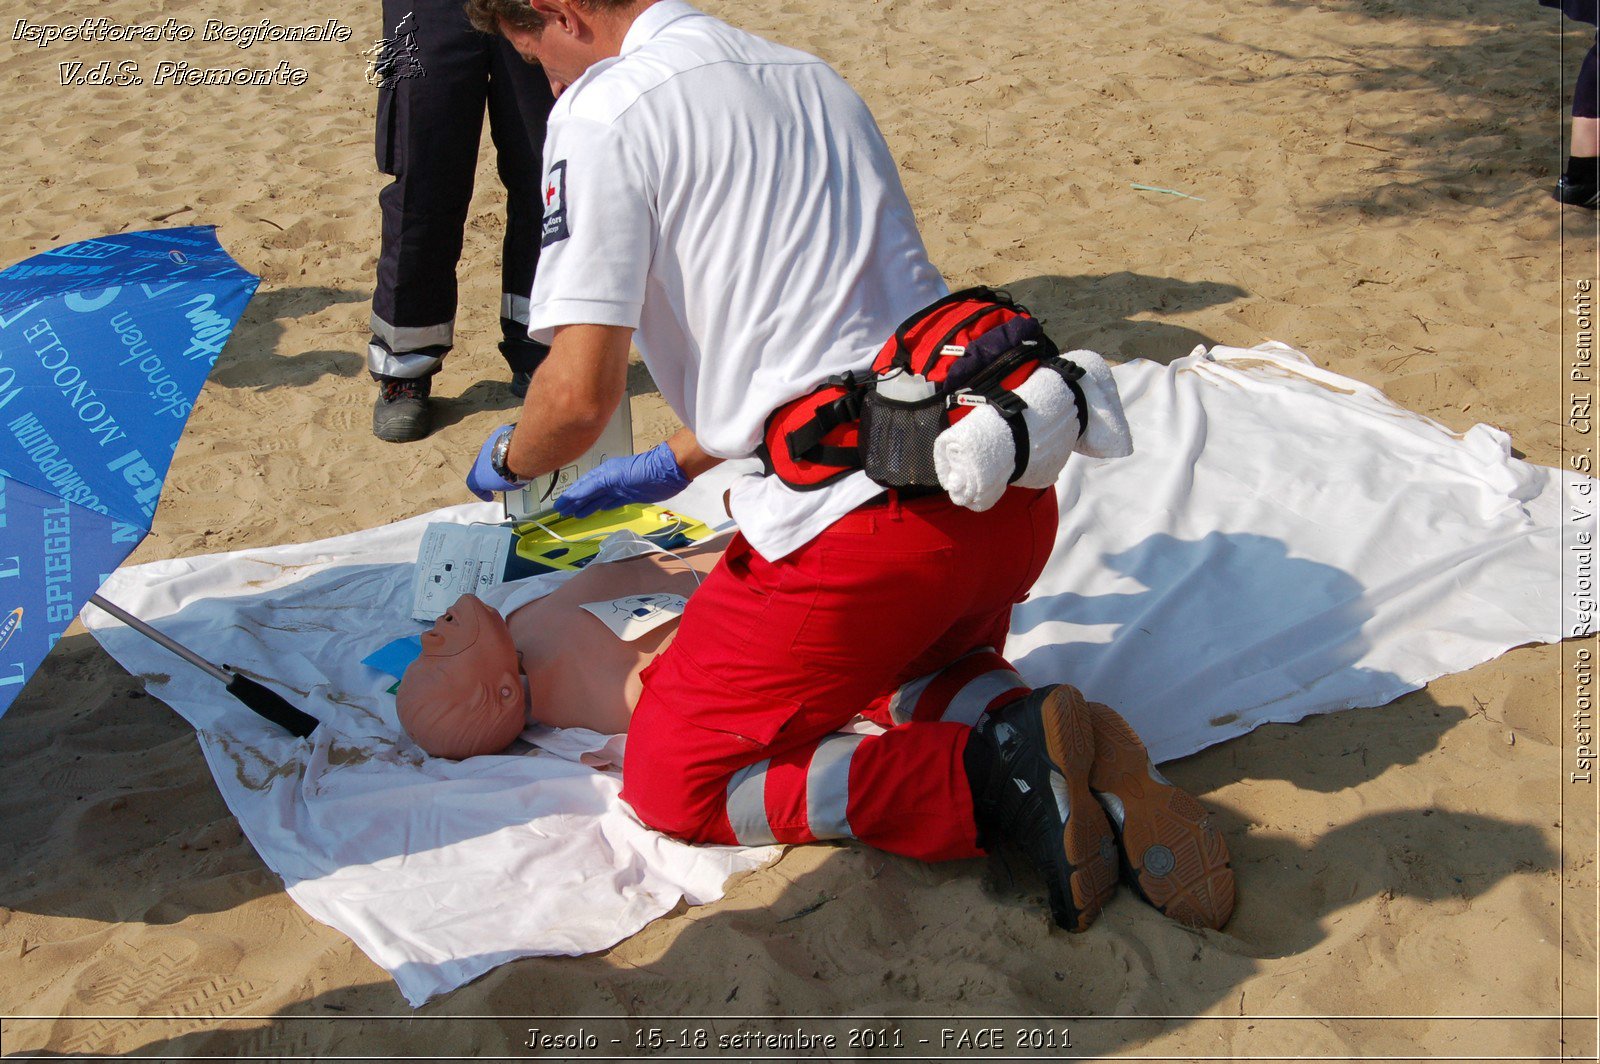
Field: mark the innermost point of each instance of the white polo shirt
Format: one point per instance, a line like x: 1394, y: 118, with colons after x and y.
x: 733, y: 201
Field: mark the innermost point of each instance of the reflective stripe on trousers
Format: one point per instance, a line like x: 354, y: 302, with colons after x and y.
x: 827, y: 794
x: 961, y: 691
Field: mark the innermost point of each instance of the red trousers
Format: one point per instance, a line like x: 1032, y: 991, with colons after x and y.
x: 895, y: 612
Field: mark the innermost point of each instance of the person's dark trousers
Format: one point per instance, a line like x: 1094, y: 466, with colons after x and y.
x: 1579, y: 183
x: 440, y: 75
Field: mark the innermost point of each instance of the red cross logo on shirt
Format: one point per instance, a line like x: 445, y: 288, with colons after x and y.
x: 554, y: 227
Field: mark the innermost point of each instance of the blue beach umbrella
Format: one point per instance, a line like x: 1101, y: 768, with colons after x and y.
x: 104, y: 345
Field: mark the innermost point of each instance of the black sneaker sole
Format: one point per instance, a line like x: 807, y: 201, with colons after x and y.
x: 1081, y: 866
x: 1171, y: 852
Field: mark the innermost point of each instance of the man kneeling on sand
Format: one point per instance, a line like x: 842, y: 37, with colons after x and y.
x: 560, y: 661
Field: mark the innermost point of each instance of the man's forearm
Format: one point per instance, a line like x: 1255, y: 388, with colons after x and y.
x: 571, y: 399
x: 549, y: 440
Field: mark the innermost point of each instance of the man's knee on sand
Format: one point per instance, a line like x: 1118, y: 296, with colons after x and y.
x: 678, y: 796
x: 690, y: 737
x: 671, y: 814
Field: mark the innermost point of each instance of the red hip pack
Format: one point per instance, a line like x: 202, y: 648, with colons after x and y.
x: 971, y: 348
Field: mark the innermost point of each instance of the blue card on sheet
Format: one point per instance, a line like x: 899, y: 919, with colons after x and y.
x: 392, y: 658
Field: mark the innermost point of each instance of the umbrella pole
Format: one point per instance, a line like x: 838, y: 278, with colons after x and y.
x: 261, y: 699
x: 177, y: 648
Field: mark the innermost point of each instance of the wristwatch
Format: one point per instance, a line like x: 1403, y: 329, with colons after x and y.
x: 497, y: 456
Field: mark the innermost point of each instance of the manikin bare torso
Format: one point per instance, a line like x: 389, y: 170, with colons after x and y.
x: 580, y: 673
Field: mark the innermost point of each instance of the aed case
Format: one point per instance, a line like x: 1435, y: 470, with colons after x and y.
x: 455, y: 559
x: 536, y: 497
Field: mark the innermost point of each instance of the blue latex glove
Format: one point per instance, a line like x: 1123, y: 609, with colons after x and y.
x: 648, y: 477
x: 482, y: 480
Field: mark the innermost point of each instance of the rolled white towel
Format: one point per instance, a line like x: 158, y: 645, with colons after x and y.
x: 1108, y: 435
x: 1052, y: 421
x: 974, y: 458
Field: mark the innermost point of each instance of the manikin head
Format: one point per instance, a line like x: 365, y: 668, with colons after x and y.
x: 464, y: 696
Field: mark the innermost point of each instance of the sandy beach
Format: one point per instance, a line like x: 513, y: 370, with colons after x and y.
x: 1365, y: 180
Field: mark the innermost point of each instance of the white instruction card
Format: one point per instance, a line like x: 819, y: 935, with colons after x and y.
x: 638, y: 615
x: 457, y: 560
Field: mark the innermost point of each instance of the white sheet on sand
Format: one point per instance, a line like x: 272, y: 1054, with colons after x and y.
x: 1283, y: 542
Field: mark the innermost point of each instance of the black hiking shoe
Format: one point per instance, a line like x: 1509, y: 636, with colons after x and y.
x: 401, y: 413
x: 1029, y: 764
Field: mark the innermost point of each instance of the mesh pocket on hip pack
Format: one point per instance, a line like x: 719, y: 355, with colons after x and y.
x: 897, y: 440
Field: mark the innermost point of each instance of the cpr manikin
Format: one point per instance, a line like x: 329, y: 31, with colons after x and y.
x: 482, y: 678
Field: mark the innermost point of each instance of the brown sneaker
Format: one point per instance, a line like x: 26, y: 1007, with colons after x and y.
x: 1037, y: 753
x: 1171, y: 852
